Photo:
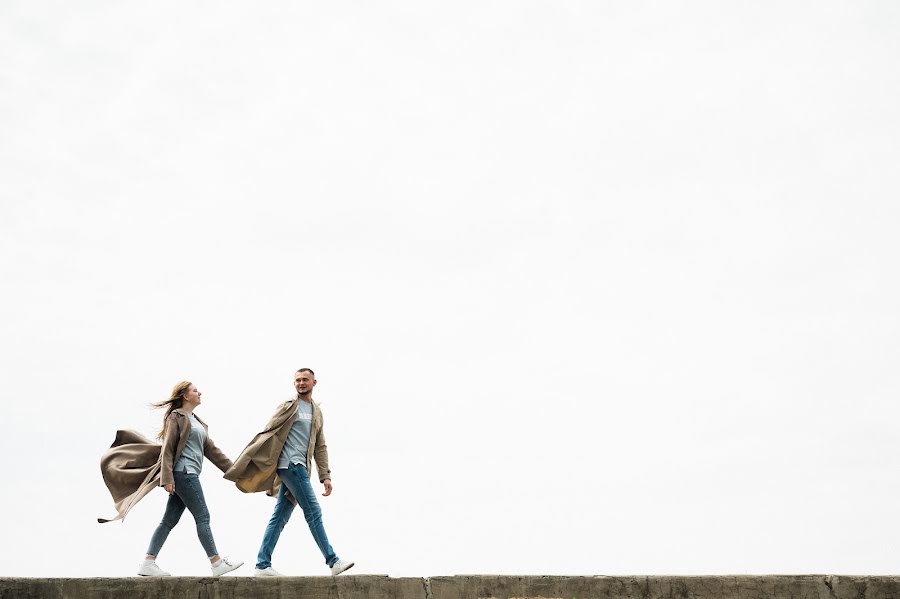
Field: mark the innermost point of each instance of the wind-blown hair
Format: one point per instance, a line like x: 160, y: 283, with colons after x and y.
x: 175, y: 401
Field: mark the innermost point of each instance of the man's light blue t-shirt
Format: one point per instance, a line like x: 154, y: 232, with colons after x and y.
x: 294, y: 450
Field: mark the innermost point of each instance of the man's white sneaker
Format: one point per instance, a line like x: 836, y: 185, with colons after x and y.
x: 270, y: 571
x: 148, y: 567
x: 340, y: 566
x: 224, y: 567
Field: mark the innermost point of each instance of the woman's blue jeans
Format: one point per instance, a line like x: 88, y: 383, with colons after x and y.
x: 296, y: 480
x: 188, y: 494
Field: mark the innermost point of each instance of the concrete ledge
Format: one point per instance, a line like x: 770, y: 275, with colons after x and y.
x: 665, y: 587
x: 459, y: 587
x: 226, y: 587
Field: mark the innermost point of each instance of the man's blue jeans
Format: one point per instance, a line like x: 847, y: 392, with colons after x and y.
x: 296, y: 480
x: 188, y: 494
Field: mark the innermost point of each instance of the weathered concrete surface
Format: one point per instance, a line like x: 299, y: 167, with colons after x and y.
x: 227, y: 587
x: 459, y: 587
x: 665, y: 587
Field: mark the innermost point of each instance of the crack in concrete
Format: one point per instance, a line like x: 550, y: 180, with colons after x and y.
x: 829, y: 582
x: 426, y: 584
x: 204, y: 590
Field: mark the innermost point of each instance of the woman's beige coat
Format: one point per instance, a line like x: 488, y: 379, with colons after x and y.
x: 255, y: 469
x: 133, y: 466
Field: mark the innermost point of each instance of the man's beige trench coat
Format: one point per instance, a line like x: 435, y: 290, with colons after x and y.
x: 255, y: 469
x: 134, y: 465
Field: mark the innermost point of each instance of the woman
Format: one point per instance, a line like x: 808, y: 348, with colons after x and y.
x: 129, y: 475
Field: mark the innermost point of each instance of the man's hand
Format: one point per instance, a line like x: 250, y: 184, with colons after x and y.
x: 327, y: 483
x: 170, y: 488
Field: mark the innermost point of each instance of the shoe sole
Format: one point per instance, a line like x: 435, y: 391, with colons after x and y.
x: 227, y: 571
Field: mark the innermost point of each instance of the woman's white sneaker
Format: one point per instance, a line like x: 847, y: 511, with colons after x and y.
x: 224, y: 567
x: 148, y: 567
x: 270, y: 571
x: 340, y: 566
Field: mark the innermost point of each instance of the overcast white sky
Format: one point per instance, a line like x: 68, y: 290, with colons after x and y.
x: 589, y: 287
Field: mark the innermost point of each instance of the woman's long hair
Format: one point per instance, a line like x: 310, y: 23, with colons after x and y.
x: 175, y: 401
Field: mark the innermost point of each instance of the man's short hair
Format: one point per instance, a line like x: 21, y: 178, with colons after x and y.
x: 309, y: 370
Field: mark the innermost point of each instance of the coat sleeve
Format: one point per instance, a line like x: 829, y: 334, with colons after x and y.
x: 216, y: 455
x: 167, y: 458
x: 320, y: 452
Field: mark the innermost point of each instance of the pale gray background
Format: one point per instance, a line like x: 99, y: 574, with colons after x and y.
x: 590, y: 287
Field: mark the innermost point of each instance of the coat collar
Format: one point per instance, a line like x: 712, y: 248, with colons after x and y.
x: 185, y: 416
x: 297, y: 398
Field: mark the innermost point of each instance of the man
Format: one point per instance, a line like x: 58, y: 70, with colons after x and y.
x: 278, y: 461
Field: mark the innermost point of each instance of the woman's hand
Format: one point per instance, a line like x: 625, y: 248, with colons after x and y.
x: 170, y: 488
